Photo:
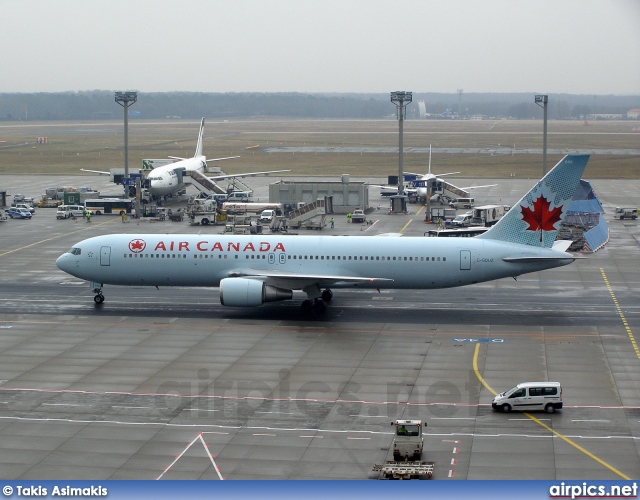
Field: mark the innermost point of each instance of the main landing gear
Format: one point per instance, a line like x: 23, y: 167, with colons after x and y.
x: 316, y: 305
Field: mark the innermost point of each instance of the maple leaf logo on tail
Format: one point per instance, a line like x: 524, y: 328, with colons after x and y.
x: 541, y: 218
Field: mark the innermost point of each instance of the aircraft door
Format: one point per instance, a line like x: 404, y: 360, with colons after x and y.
x: 105, y: 256
x: 465, y: 260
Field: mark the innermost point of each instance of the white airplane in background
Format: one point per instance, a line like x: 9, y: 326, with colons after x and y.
x: 424, y: 179
x: 169, y: 179
x: 419, y: 186
x: 254, y: 269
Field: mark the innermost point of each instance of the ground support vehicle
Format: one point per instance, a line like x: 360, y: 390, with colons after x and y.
x: 242, y: 229
x: 46, y: 202
x: 203, y: 218
x: 488, y: 215
x: 407, y: 460
x: 176, y: 216
x: 310, y: 223
x: 625, y: 213
x: 403, y: 470
x: 358, y: 216
x: 441, y: 213
x: 161, y: 214
x: 255, y: 208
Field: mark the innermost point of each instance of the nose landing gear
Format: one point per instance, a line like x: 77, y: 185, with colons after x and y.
x: 98, y: 297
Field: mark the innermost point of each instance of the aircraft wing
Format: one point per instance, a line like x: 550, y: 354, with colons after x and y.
x: 220, y: 159
x: 476, y: 187
x: 248, y: 174
x: 101, y: 172
x: 298, y: 280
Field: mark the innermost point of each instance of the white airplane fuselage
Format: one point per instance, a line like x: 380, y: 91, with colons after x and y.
x: 204, y: 260
x: 252, y: 270
x: 164, y: 180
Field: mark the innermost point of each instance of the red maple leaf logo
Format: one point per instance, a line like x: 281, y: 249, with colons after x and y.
x: 137, y: 246
x: 541, y: 218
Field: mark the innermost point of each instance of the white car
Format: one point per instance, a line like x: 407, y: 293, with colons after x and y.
x: 267, y: 216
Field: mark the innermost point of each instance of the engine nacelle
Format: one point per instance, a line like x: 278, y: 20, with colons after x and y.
x: 247, y: 292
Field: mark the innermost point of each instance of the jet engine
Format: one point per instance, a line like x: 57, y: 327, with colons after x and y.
x: 246, y: 292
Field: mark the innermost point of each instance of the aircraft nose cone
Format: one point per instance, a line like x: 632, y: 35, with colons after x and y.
x: 64, y: 262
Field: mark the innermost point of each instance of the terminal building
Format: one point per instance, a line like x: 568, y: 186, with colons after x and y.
x: 347, y: 195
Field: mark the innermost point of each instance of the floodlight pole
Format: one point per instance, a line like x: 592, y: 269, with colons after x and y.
x: 126, y: 99
x: 401, y: 99
x: 544, y: 99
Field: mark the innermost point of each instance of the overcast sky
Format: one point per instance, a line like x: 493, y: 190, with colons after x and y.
x: 541, y: 46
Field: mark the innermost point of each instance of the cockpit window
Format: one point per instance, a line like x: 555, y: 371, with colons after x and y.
x: 75, y: 251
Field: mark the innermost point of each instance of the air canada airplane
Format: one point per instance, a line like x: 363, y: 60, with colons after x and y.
x: 254, y: 269
x: 168, y: 179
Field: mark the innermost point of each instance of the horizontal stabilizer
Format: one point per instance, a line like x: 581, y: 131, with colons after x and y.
x: 562, y: 245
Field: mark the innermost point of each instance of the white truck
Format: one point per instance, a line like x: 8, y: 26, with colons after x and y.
x: 407, y: 461
x: 488, y: 215
x: 625, y: 213
x: 256, y: 208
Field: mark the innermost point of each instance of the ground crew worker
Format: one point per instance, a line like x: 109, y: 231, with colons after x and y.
x: 349, y: 217
x: 332, y: 222
x: 124, y: 216
x: 88, y: 216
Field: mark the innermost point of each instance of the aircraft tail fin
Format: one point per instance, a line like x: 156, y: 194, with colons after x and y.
x: 199, y: 145
x: 536, y: 218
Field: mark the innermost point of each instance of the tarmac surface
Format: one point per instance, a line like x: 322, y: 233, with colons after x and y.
x: 170, y: 384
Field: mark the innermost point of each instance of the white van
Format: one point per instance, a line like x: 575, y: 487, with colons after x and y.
x: 463, y: 203
x: 545, y: 396
x: 266, y: 217
x: 65, y: 211
x: 239, y: 196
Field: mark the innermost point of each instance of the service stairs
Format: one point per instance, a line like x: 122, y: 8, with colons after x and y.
x: 452, y: 191
x: 303, y: 216
x: 203, y: 183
